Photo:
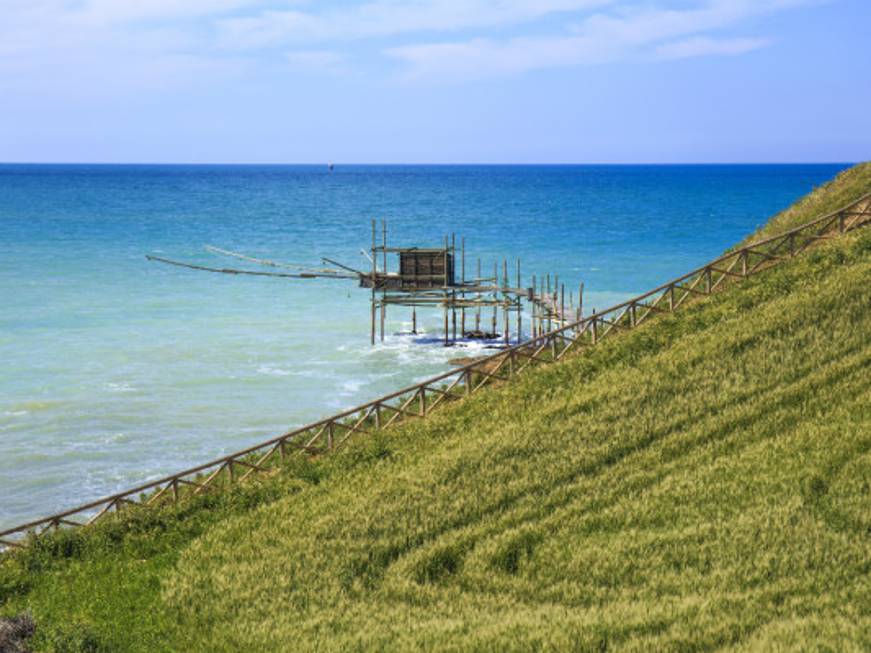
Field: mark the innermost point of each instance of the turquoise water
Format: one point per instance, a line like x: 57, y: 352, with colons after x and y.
x: 116, y: 370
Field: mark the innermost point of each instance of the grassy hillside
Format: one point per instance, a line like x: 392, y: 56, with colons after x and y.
x: 703, y: 482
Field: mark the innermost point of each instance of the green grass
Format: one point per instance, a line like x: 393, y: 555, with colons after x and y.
x: 701, y: 483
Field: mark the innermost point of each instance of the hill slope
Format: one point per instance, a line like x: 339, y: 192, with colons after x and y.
x: 701, y: 482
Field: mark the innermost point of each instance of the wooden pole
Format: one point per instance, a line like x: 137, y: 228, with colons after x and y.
x: 384, y: 243
x: 447, y: 333
x: 414, y: 320
x: 463, y: 280
x: 549, y: 305
x: 374, y: 274
x: 478, y: 312
x: 581, y: 299
x: 446, y: 323
x: 505, y: 300
x: 534, y: 308
x: 562, y: 310
x: 453, y: 292
x: 519, y: 306
x: 496, y: 293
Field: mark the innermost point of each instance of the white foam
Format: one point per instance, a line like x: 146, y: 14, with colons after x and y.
x: 120, y: 387
x: 272, y: 371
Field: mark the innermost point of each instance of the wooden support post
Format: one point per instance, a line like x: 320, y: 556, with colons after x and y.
x: 384, y: 244
x: 534, y: 308
x: 478, y: 282
x: 519, y: 306
x: 383, y: 315
x: 175, y: 490
x: 422, y: 393
x: 562, y: 303
x: 671, y: 297
x: 463, y: 282
x: 467, y: 381
x: 708, y: 281
x: 743, y: 262
x: 374, y: 274
x: 446, y: 279
x: 330, y: 428
x: 581, y: 299
x: 505, y: 300
x: 840, y: 223
x: 447, y: 333
x: 445, y: 290
x: 495, y: 294
x: 595, y: 329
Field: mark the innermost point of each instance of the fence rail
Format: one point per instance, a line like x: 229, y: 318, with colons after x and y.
x: 419, y: 400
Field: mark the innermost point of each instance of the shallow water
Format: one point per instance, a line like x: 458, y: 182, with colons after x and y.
x: 116, y: 370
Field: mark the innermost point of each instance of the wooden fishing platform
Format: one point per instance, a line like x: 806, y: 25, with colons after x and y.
x: 479, y: 306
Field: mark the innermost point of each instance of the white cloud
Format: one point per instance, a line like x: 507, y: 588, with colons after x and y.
x: 383, y: 18
x: 628, y: 32
x: 57, y: 40
x: 701, y: 46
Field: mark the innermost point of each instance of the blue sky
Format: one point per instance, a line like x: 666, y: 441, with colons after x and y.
x: 433, y: 81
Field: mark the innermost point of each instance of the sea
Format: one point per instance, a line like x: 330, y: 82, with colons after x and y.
x: 115, y: 370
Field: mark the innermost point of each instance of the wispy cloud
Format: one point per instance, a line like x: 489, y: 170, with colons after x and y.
x: 430, y: 39
x: 385, y: 18
x: 702, y: 46
x: 627, y: 32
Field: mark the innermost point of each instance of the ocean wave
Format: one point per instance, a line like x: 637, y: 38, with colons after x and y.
x: 120, y: 387
x: 273, y: 371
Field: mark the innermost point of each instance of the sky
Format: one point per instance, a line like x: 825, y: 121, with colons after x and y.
x: 435, y: 81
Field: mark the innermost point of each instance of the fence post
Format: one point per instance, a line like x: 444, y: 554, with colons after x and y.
x: 841, y: 222
x: 422, y: 393
x: 330, y: 435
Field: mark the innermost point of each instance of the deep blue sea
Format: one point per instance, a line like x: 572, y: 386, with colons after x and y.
x: 116, y: 370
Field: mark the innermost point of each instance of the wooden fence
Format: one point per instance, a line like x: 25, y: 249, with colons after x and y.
x: 419, y: 400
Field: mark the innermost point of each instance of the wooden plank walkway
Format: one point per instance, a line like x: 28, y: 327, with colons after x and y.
x: 419, y: 400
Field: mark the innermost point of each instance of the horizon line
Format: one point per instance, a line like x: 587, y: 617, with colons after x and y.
x: 433, y: 164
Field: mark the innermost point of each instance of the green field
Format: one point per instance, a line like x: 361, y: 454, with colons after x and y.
x: 702, y: 482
